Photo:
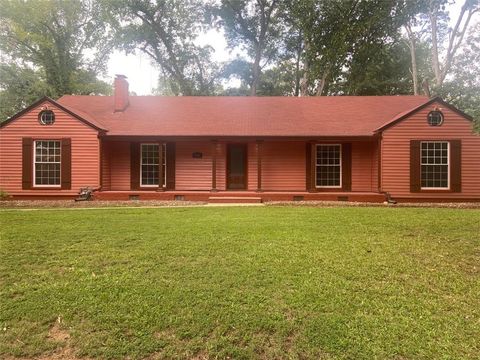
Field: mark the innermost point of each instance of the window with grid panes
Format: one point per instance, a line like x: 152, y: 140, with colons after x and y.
x: 329, y: 165
x: 149, y: 164
x: 47, y: 162
x: 434, y: 164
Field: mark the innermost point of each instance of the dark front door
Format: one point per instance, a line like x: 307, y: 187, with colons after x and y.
x: 236, y: 166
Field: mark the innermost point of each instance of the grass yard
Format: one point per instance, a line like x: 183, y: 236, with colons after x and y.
x: 250, y: 282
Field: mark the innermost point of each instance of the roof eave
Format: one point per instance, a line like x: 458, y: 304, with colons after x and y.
x: 311, y: 137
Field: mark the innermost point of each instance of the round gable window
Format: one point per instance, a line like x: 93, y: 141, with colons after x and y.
x: 46, y: 117
x: 435, y: 118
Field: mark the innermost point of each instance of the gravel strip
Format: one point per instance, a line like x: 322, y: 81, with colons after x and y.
x: 35, y: 204
x: 465, y: 205
x: 38, y: 204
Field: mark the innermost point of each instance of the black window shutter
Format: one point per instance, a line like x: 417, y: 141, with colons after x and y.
x: 415, y: 166
x: 347, y: 167
x: 66, y: 164
x: 170, y: 163
x: 134, y: 166
x: 27, y: 163
x: 308, y: 166
x: 456, y: 165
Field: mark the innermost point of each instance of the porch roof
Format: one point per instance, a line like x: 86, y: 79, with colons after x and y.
x: 244, y: 116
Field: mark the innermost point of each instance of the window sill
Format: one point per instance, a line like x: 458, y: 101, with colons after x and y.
x: 56, y: 187
x: 151, y: 188
x: 330, y: 189
x: 434, y: 191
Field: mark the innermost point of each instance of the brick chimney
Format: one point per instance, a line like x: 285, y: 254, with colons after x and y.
x: 120, y: 93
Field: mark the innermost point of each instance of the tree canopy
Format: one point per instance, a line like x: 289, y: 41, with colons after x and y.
x: 51, y: 48
x: 166, y: 32
x: 284, y: 48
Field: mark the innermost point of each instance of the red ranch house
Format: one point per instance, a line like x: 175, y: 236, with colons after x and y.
x: 241, y: 148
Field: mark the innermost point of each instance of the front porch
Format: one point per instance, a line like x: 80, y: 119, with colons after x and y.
x: 241, y: 196
x: 238, y: 170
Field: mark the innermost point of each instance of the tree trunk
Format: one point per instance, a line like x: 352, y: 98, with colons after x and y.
x: 304, y: 81
x: 458, y: 32
x: 321, y: 84
x: 426, y: 88
x: 256, y: 72
x: 413, y: 56
x: 297, y: 68
x: 435, y: 63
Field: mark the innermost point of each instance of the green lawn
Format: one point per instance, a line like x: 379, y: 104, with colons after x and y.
x: 262, y: 282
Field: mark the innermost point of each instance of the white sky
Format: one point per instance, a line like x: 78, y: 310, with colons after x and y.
x: 143, y: 76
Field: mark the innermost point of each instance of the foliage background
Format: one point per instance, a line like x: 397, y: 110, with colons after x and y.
x: 285, y: 48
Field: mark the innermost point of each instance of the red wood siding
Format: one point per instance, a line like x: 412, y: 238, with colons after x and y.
x: 221, y: 165
x: 252, y: 166
x: 191, y: 173
x: 119, y: 162
x: 105, y: 154
x: 395, y: 155
x: 375, y: 166
x: 283, y: 165
x: 364, y: 166
x: 85, y: 150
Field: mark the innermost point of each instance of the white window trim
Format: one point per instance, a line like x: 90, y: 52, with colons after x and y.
x: 34, y: 162
x: 341, y: 167
x: 448, y: 165
x: 163, y: 145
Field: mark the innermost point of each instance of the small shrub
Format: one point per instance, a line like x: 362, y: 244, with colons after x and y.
x: 4, y: 195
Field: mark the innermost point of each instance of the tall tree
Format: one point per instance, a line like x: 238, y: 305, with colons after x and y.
x: 166, y: 30
x: 463, y: 87
x: 66, y: 40
x: 335, y: 31
x: 254, y: 25
x: 436, y: 9
x: 415, y: 34
x: 384, y: 71
x: 412, y: 41
x: 431, y: 24
x: 19, y: 87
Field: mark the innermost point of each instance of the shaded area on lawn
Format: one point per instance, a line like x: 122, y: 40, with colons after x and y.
x: 268, y: 282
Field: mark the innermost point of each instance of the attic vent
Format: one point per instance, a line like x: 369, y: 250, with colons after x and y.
x: 435, y: 118
x: 46, y: 117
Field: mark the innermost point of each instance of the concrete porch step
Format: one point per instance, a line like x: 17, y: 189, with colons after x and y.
x: 234, y: 199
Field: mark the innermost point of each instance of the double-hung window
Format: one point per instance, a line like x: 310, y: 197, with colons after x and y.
x: 150, y: 164
x: 47, y: 163
x: 434, y: 162
x: 329, y: 165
